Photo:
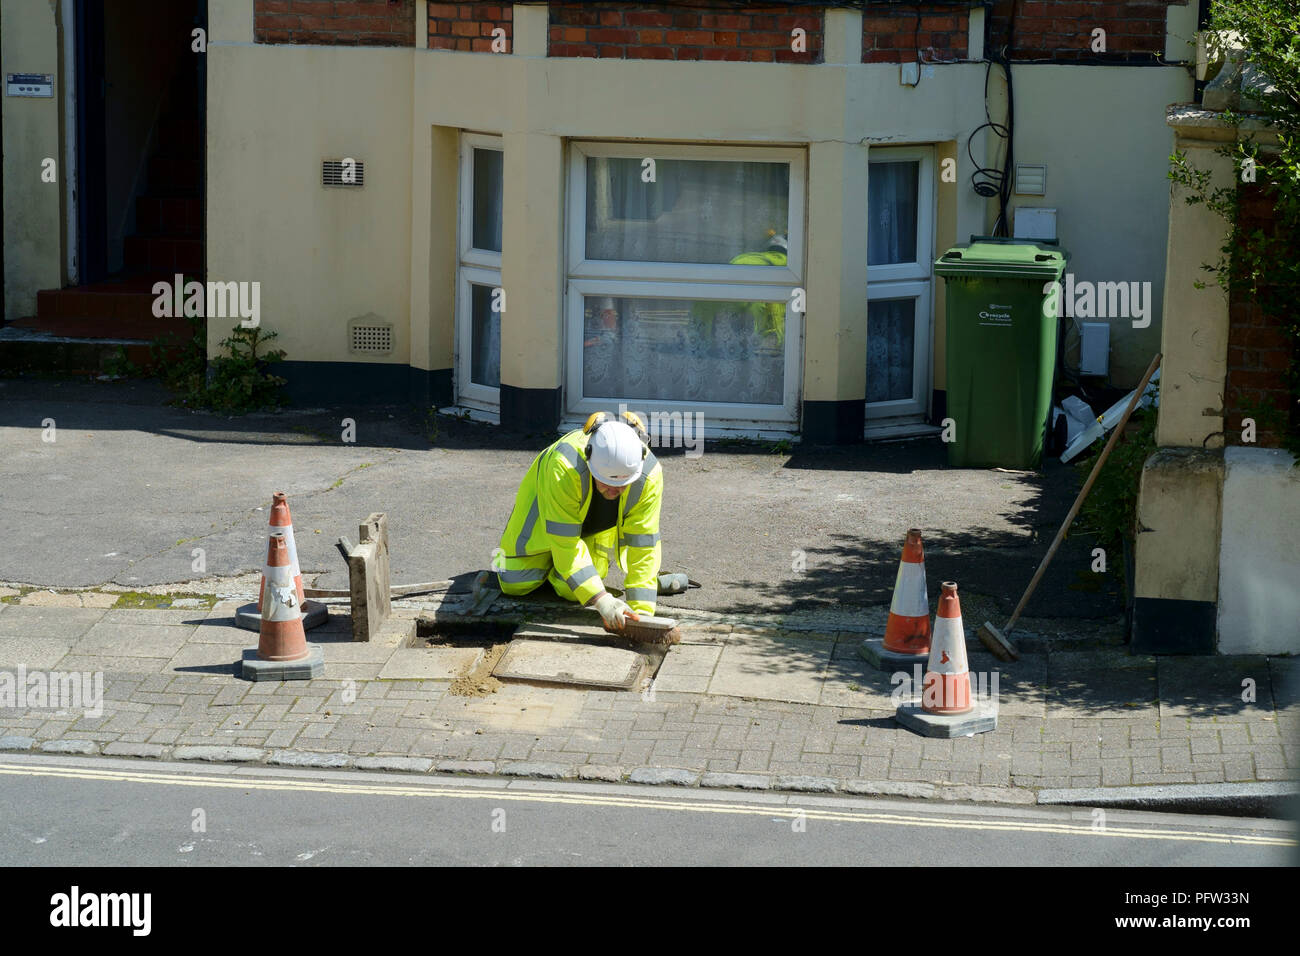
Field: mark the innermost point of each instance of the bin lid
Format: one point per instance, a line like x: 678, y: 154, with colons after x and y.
x: 1003, y: 258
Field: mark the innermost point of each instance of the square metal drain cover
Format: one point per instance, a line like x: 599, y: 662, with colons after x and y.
x: 558, y: 662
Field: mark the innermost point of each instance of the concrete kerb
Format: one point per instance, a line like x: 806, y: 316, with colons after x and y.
x: 659, y: 777
x: 1274, y: 800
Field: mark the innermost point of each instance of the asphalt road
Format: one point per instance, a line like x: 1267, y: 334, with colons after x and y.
x: 130, y: 491
x: 80, y: 812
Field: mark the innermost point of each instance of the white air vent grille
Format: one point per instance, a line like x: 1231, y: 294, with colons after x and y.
x: 371, y: 338
x: 345, y: 173
x: 1031, y: 180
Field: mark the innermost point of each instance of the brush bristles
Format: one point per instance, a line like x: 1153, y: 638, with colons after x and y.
x: 997, y: 645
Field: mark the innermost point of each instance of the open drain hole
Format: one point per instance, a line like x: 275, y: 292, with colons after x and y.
x: 462, y: 632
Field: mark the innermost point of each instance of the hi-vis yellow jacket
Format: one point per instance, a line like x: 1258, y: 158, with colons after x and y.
x: 549, y: 510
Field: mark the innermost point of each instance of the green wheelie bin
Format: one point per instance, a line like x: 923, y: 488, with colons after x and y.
x: 1002, y: 321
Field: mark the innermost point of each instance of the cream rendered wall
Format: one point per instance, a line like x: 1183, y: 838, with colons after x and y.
x: 844, y: 109
x: 33, y: 210
x: 1107, y: 159
x: 276, y: 111
x: 323, y: 256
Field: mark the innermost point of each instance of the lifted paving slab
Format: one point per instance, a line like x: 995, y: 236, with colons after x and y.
x: 558, y: 662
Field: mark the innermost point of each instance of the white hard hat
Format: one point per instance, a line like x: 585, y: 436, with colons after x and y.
x: 615, y: 455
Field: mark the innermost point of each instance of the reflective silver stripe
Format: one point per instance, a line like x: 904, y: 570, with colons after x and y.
x: 576, y: 579
x: 642, y: 540
x: 521, y: 545
x: 634, y: 493
x: 563, y: 529
x: 641, y: 594
x: 518, y: 577
x: 574, y: 458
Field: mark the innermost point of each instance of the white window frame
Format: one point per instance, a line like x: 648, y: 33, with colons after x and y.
x: 469, y: 255
x: 674, y: 280
x: 909, y: 280
x: 923, y: 267
x: 714, y: 412
x: 475, y: 267
x: 580, y: 267
x: 922, y: 359
x: 469, y: 393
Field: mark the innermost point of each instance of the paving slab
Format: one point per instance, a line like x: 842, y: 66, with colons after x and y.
x: 690, y: 660
x: 1021, y: 685
x: 344, y: 650
x: 429, y: 663
x: 75, y: 661
x: 1214, y: 686
x: 32, y: 652
x: 222, y: 630
x: 851, y: 681
x: 769, y: 668
x: 60, y: 622
x: 155, y: 616
x: 207, y: 658
x: 120, y: 639
x: 1101, y: 684
x: 560, y: 662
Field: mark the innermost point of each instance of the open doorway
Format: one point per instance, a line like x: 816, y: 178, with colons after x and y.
x: 139, y: 138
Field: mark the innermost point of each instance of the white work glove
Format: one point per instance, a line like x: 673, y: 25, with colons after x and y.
x: 614, y: 612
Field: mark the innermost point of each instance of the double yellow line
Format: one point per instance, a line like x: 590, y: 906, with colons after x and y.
x: 648, y: 802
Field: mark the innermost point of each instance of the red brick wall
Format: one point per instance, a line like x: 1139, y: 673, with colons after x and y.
x: 335, y: 22
x: 468, y: 26
x: 684, y: 31
x: 895, y: 36
x: 1259, y: 350
x: 1061, y: 30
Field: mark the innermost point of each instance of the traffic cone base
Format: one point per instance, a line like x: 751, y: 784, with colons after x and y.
x: 282, y: 649
x: 946, y: 708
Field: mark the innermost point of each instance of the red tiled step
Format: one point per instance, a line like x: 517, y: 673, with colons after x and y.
x: 122, y: 310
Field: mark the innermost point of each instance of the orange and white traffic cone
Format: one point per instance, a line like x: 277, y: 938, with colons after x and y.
x: 282, y: 649
x: 947, y: 679
x: 947, y: 708
x: 281, y: 523
x: 907, y: 632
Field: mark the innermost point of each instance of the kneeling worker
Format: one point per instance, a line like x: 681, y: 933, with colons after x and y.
x: 588, y: 500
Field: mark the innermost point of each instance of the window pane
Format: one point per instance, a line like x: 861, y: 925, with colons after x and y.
x: 891, y: 213
x: 683, y: 350
x: 695, y: 211
x: 891, y: 339
x: 485, y: 338
x: 488, y: 189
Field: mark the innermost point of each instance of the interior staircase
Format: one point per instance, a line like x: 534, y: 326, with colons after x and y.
x: 85, y: 329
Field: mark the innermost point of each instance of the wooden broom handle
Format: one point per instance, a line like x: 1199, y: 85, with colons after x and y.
x: 1083, y: 493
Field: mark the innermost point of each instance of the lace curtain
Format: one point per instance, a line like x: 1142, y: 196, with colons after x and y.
x: 891, y: 238
x: 698, y: 211
x: 681, y: 350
